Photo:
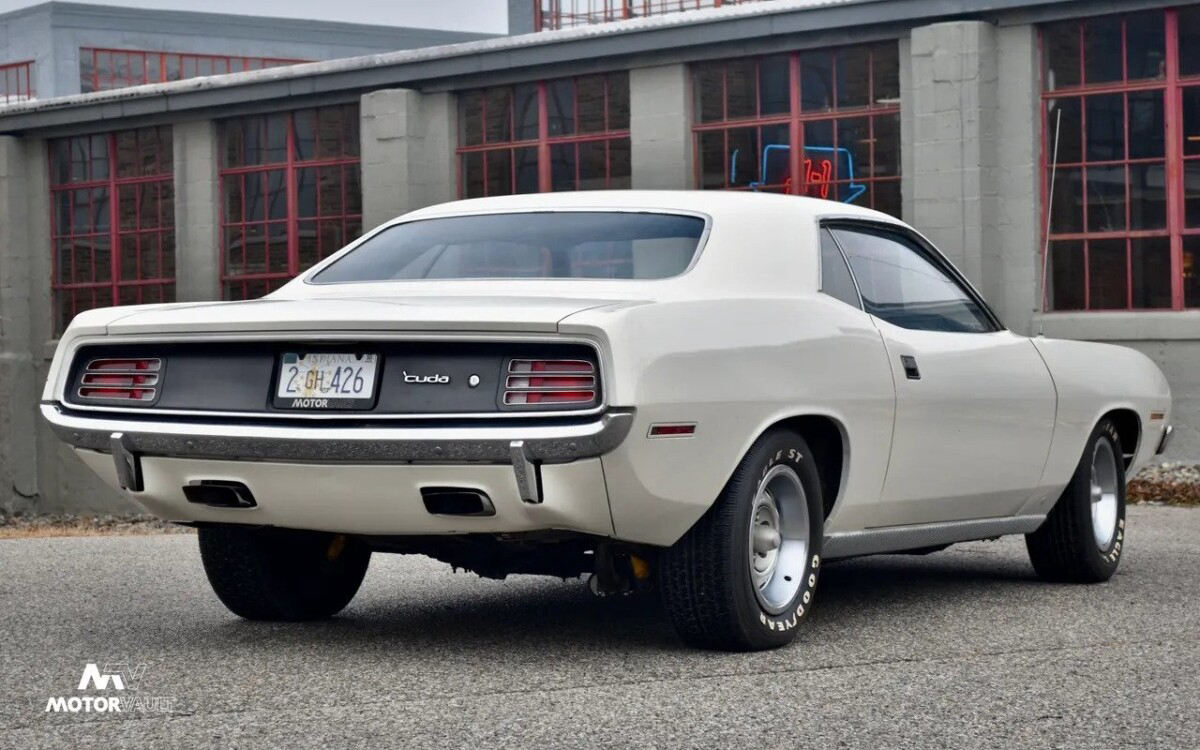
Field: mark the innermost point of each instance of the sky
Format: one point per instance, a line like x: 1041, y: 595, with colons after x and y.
x: 460, y: 15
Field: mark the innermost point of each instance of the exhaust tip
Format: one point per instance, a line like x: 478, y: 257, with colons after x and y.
x: 457, y: 501
x: 219, y: 493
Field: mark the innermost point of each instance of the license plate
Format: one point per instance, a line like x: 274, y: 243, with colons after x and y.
x: 326, y: 380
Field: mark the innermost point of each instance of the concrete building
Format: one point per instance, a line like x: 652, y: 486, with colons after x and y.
x: 58, y: 49
x: 947, y: 114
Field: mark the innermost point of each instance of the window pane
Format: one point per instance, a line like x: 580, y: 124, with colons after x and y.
x: 562, y: 167
x: 530, y: 245
x: 774, y: 89
x: 1191, y: 271
x: 1106, y: 199
x: 708, y: 84
x: 618, y: 101
x: 1189, y: 40
x: 744, y: 157
x: 887, y: 148
x: 899, y: 285
x: 886, y: 197
x: 499, y: 172
x: 1066, y: 275
x: 470, y: 118
x: 741, y: 89
x: 304, y: 125
x: 816, y: 81
x: 1106, y: 127
x: 619, y: 169
x: 1063, y: 119
x: 853, y: 77
x: 1107, y: 278
x: 593, y: 161
x: 1191, y: 194
x: 526, y: 97
x: 712, y: 159
x: 1191, y: 120
x: 1147, y: 197
x: 886, y: 73
x: 1150, y: 259
x: 1067, y: 202
x: 498, y: 123
x: 472, y: 178
x: 592, y: 109
x: 1147, y: 125
x: 1060, y: 50
x: 526, y: 160
x: 835, y: 274
x: 1146, y: 45
x: 560, y: 107
x: 1102, y: 49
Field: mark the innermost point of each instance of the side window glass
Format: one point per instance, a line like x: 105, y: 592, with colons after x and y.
x: 835, y: 274
x: 899, y: 285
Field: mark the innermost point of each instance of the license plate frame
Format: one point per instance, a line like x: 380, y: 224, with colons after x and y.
x: 332, y: 367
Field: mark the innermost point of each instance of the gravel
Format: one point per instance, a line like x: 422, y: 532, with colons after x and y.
x: 25, y: 526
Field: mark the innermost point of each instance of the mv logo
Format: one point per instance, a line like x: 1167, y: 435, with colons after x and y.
x: 120, y: 675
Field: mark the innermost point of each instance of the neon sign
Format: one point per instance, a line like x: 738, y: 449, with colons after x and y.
x: 819, y: 170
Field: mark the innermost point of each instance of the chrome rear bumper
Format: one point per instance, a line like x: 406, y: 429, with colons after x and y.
x: 516, y: 444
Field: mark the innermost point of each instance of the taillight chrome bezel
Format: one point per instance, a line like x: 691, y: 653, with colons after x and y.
x: 558, y: 385
x: 130, y: 381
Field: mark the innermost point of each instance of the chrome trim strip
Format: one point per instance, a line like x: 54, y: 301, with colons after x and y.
x: 347, y: 335
x: 314, y: 444
x: 1165, y: 441
x: 902, y: 538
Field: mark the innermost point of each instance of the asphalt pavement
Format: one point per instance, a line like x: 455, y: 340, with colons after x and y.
x: 963, y: 648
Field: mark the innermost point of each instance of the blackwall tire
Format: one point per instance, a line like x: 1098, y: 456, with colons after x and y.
x: 280, y: 574
x: 744, y: 577
x: 1084, y: 535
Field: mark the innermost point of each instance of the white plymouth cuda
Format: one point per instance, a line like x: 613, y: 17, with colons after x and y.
x: 705, y: 394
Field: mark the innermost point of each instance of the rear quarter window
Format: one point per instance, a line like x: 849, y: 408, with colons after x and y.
x: 542, y: 245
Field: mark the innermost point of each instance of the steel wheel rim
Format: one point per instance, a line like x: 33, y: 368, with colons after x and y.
x: 1103, y: 493
x: 779, y: 538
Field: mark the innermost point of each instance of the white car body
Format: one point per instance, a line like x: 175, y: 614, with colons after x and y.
x: 982, y: 445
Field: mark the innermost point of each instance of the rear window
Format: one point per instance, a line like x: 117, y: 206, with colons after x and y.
x: 557, y: 245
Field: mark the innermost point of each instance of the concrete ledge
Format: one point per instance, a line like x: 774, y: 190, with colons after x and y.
x: 1120, y: 326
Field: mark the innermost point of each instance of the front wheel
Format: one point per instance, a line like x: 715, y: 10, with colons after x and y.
x: 743, y: 578
x: 281, y: 574
x: 1082, y: 538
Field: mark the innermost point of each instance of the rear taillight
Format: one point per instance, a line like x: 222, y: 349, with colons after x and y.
x: 120, y: 379
x: 550, y: 383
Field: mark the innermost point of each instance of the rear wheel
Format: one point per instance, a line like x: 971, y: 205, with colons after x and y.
x: 281, y: 574
x: 743, y: 578
x: 1082, y: 538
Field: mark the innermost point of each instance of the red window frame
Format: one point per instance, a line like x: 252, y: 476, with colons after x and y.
x: 287, y: 200
x: 17, y: 82
x: 1171, y: 86
x: 564, y: 14
x: 132, y: 67
x: 112, y: 223
x: 818, y: 180
x: 484, y: 156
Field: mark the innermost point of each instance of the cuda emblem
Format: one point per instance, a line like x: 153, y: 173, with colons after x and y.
x: 435, y: 379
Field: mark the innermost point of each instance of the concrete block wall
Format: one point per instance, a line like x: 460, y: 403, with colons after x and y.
x: 408, y: 141
x: 660, y: 127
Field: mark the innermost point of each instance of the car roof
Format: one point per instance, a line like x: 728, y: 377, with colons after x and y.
x: 714, y: 203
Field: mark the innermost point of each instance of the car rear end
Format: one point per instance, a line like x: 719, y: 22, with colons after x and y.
x: 418, y: 396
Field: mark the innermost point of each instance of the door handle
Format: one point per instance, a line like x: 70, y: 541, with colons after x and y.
x: 910, y: 367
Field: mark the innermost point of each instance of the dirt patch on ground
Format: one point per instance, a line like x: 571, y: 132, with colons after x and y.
x: 36, y: 527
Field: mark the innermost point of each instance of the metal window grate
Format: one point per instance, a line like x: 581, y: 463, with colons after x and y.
x: 564, y: 14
